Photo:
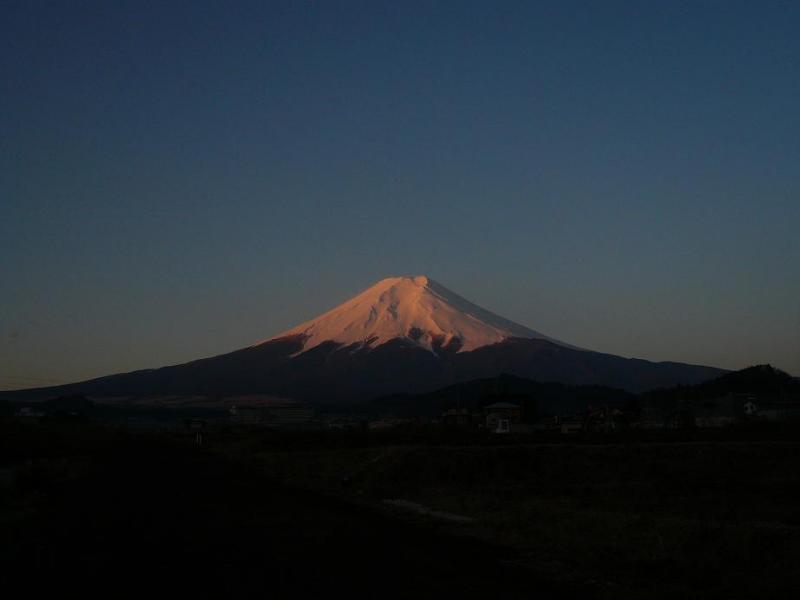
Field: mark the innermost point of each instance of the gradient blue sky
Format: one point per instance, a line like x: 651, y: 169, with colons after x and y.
x: 182, y: 179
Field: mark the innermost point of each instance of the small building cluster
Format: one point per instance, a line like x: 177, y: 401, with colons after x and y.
x: 285, y: 415
x: 497, y: 415
x: 725, y: 411
x: 523, y: 417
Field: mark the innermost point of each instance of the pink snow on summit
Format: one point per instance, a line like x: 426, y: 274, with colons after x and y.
x: 415, y: 308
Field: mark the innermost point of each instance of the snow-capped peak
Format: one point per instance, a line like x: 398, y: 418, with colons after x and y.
x: 414, y: 308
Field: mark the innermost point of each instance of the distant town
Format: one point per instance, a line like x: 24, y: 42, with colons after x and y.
x: 504, y: 405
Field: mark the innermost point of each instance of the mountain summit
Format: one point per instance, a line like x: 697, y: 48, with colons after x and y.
x: 413, y: 308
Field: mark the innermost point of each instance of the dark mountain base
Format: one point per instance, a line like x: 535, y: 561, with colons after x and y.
x: 329, y: 373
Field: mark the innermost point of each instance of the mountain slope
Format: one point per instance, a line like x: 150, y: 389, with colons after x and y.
x: 402, y: 335
x: 330, y: 373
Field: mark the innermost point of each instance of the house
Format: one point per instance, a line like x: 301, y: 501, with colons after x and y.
x: 28, y: 412
x: 734, y: 408
x: 605, y: 419
x: 196, y: 427
x: 571, y: 426
x: 457, y: 417
x: 773, y: 410
x: 723, y: 411
x: 501, y: 416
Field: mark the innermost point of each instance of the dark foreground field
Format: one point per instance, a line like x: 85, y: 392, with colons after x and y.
x: 102, y: 511
x: 97, y: 513
x: 695, y: 515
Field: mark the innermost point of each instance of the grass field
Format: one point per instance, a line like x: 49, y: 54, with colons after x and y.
x: 251, y: 512
x: 696, y: 519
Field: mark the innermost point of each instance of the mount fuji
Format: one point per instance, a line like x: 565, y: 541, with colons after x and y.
x: 413, y: 308
x: 401, y: 335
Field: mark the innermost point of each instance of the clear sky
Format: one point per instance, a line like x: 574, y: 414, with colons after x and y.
x: 179, y: 180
